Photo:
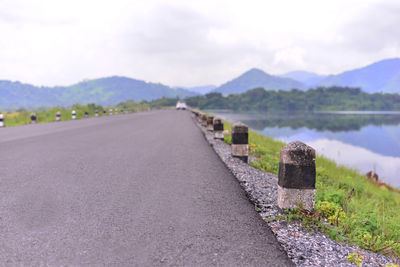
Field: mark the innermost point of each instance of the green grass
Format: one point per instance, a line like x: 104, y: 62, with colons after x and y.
x: 370, y: 217
x: 49, y: 114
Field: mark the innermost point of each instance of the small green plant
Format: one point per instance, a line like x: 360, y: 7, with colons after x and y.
x: 337, y: 218
x: 355, y: 258
x: 326, y: 208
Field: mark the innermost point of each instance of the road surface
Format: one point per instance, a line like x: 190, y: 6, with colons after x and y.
x: 141, y: 189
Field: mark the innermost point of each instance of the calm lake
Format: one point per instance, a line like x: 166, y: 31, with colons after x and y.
x: 362, y: 140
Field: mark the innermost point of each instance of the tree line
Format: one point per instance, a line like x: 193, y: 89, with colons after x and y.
x: 319, y: 99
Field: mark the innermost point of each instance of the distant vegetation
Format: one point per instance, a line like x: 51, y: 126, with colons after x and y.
x: 23, y: 116
x: 320, y: 99
x: 260, y: 100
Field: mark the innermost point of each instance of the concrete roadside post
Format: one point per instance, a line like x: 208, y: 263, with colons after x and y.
x: 218, y: 126
x: 58, y: 116
x: 73, y: 115
x: 210, y: 120
x: 110, y: 111
x: 97, y: 113
x: 1, y: 120
x: 297, y: 173
x: 204, y: 120
x: 116, y: 111
x: 86, y: 114
x: 240, y: 141
x: 33, y: 118
x: 104, y: 112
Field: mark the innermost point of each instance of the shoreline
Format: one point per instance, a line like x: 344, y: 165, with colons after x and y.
x: 303, y: 248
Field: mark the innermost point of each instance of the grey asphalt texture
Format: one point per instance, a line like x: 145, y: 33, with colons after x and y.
x: 142, y: 189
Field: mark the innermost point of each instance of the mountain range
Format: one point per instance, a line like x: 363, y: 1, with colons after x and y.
x: 257, y: 78
x: 305, y: 77
x: 104, y: 91
x: 198, y: 89
x: 382, y: 76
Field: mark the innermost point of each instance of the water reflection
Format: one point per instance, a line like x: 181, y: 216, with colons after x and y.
x: 362, y: 141
x: 323, y: 121
x: 360, y: 158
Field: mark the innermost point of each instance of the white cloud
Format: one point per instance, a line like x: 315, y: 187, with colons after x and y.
x: 190, y: 42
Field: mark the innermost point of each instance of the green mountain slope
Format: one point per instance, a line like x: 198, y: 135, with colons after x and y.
x: 257, y: 78
x: 103, y: 91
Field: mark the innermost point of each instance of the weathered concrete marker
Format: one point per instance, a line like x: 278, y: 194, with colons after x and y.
x: 240, y: 141
x: 58, y: 116
x: 204, y: 120
x: 33, y: 118
x: 210, y: 120
x: 199, y: 117
x: 110, y: 111
x: 218, y: 126
x: 1, y: 120
x: 104, y: 112
x: 86, y: 114
x: 97, y: 113
x: 296, y: 176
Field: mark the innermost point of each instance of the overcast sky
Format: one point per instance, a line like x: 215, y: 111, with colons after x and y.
x: 189, y: 43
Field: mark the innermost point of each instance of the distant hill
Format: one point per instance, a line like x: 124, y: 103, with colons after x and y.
x: 382, y: 76
x: 257, y: 78
x: 103, y: 91
x: 305, y: 77
x: 198, y: 89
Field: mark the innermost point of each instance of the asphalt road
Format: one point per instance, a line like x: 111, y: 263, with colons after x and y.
x: 130, y: 190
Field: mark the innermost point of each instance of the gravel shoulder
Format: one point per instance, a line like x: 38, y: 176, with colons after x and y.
x: 303, y: 247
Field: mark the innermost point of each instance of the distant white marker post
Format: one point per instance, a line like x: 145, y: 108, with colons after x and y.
x: 33, y: 118
x: 58, y: 116
x: 1, y: 120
